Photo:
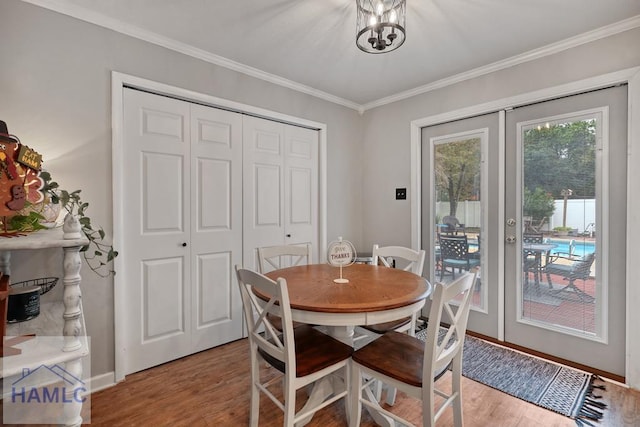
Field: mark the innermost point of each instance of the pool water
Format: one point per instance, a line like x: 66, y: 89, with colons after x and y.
x: 581, y: 248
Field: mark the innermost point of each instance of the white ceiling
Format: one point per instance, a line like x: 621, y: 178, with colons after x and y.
x: 310, y: 44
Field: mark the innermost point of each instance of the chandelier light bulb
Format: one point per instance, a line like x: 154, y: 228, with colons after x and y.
x: 393, y: 16
x: 373, y: 20
x: 379, y: 9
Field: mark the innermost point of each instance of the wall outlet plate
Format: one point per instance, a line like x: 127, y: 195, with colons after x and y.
x: 401, y: 193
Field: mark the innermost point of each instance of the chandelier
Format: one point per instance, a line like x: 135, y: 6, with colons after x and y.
x: 380, y: 25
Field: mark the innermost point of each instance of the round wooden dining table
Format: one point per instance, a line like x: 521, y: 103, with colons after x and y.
x: 374, y: 294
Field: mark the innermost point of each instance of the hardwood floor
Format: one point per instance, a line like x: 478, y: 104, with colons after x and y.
x: 211, y: 388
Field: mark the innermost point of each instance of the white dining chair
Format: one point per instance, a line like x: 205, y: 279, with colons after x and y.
x: 302, y: 355
x: 414, y: 366
x: 275, y: 257
x: 412, y: 261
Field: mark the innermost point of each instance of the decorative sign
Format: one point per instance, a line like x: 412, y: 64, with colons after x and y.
x: 19, y: 178
x: 341, y: 253
x: 29, y: 157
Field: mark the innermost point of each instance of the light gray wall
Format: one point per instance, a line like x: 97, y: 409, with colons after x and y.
x: 387, y: 139
x: 55, y: 83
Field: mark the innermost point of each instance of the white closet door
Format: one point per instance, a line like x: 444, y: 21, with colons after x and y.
x: 183, y: 231
x: 216, y: 225
x: 157, y: 202
x: 280, y: 184
x: 263, y: 210
x: 301, y: 186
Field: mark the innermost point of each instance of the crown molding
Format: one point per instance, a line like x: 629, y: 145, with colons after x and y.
x: 89, y: 16
x: 599, y: 33
x: 154, y: 38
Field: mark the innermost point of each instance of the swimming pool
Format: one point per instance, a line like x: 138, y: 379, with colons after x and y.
x: 581, y: 248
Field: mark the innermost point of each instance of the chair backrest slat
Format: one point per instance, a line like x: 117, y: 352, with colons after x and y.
x: 413, y: 258
x: 581, y: 269
x: 454, y: 247
x: 439, y: 352
x: 532, y: 237
x: 262, y: 333
x: 273, y: 257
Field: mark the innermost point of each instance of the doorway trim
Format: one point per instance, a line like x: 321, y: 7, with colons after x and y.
x: 118, y: 82
x: 630, y: 76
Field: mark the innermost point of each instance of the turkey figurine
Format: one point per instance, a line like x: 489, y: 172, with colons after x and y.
x: 12, y: 193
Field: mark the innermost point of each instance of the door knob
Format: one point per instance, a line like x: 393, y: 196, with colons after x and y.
x: 184, y: 244
x: 288, y: 235
x: 511, y: 239
x: 511, y: 222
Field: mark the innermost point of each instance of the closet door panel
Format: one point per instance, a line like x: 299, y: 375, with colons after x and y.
x: 215, y: 286
x: 263, y: 192
x: 161, y: 310
x: 267, y: 196
x: 215, y: 207
x: 162, y: 193
x: 301, y: 186
x: 157, y: 199
x: 216, y: 233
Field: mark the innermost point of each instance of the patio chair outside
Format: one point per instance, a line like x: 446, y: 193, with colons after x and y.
x: 577, y: 269
x: 532, y: 260
x: 453, y: 225
x: 454, y: 253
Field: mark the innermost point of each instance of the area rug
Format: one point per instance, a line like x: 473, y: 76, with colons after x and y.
x: 558, y: 388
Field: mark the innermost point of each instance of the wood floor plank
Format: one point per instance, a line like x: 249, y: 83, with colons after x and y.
x: 211, y: 388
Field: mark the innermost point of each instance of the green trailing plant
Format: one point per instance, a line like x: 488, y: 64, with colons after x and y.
x: 30, y: 222
x: 98, y: 254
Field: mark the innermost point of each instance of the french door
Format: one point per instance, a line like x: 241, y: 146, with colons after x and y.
x: 565, y: 292
x: 541, y: 193
x: 460, y: 174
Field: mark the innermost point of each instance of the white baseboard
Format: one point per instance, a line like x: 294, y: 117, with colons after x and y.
x: 101, y: 382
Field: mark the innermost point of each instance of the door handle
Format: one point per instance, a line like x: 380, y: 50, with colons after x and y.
x: 510, y: 239
x: 288, y: 235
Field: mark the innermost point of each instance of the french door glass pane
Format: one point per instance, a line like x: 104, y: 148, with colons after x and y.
x: 458, y: 209
x: 559, y: 286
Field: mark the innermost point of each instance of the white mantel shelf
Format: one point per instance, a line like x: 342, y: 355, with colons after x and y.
x: 42, y: 239
x: 60, y: 331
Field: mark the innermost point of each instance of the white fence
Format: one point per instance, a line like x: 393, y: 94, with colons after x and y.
x: 581, y: 214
